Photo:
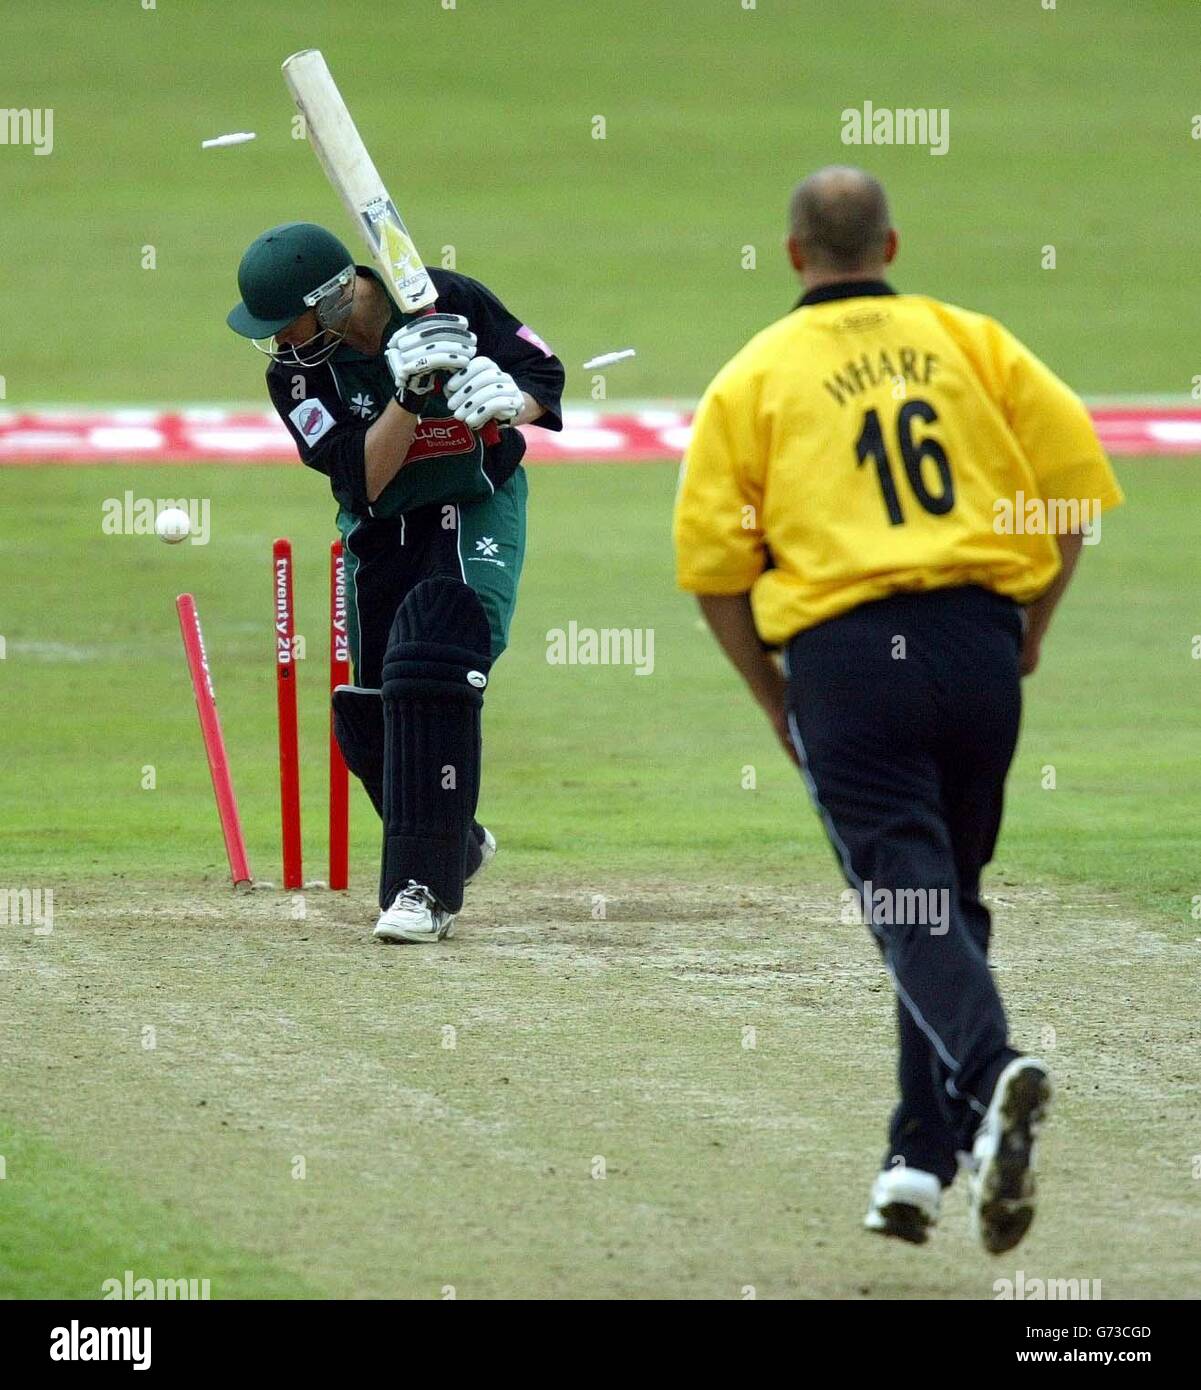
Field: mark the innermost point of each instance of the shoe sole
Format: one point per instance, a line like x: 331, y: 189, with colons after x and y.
x: 1005, y: 1204
x: 393, y: 936
x: 902, y: 1221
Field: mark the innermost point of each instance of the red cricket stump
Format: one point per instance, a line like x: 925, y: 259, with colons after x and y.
x: 214, y: 742
x: 339, y: 674
x: 285, y: 695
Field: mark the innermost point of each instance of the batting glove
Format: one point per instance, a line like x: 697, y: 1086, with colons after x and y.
x: 419, y: 350
x: 482, y: 391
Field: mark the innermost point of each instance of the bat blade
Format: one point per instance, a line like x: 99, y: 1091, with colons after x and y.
x: 348, y: 166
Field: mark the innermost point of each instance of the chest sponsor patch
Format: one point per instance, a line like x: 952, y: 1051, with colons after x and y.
x: 312, y: 420
x: 435, y: 437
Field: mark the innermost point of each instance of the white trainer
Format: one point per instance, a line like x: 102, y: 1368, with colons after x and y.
x: 1003, y: 1155
x: 414, y: 916
x: 904, y: 1204
x: 487, y: 855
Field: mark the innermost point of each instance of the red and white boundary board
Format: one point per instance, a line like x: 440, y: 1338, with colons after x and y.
x: 211, y: 435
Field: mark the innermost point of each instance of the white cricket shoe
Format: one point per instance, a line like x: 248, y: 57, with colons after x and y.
x: 414, y: 916
x: 487, y: 855
x: 1003, y: 1155
x: 904, y: 1204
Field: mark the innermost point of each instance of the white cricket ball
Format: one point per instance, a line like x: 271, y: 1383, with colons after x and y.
x: 173, y: 525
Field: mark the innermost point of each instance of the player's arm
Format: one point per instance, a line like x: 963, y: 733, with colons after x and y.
x: 720, y: 547
x: 385, y: 447
x: 507, y: 349
x: 732, y: 623
x: 1057, y: 436
x: 327, y: 439
x: 530, y: 410
x: 361, y: 461
x: 1038, y: 613
x: 416, y: 354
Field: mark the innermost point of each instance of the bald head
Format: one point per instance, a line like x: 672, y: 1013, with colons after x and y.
x: 840, y: 223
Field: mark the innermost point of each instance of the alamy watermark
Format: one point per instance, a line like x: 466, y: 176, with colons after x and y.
x: 28, y: 907
x: 900, y: 907
x: 906, y: 125
x: 164, y: 1290
x: 1024, y: 1287
x: 81, y: 1342
x: 1020, y: 515
x: 607, y: 646
x: 128, y: 515
x: 28, y: 126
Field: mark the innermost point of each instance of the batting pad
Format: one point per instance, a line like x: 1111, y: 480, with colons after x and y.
x: 435, y: 670
x: 359, y: 729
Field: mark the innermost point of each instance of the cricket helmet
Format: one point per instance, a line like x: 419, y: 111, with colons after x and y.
x: 289, y: 269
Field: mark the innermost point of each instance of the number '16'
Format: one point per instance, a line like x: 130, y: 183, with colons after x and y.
x: 871, y: 445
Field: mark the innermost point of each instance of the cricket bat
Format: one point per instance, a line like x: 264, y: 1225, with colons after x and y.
x: 351, y: 171
x: 342, y: 154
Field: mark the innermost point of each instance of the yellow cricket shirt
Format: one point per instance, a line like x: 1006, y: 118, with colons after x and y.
x: 872, y: 442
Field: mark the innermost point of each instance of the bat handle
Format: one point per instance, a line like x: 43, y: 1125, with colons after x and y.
x: 491, y: 431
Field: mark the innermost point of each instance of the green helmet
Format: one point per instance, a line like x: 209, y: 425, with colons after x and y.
x: 281, y: 274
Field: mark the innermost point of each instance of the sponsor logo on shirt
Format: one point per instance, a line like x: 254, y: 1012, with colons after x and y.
x: 437, y: 437
x: 312, y: 420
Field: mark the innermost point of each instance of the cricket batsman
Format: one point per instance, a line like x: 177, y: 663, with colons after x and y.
x: 411, y: 419
x: 849, y: 500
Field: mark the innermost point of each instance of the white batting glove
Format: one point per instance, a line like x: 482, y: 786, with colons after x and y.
x: 434, y: 343
x: 481, y: 392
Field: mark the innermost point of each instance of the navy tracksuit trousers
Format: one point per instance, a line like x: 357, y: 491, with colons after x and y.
x: 905, y: 712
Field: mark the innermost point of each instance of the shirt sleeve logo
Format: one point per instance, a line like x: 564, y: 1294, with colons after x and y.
x: 312, y: 420
x: 526, y: 332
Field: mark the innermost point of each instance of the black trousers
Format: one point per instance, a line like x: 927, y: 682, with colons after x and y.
x: 905, y: 713
x: 482, y: 543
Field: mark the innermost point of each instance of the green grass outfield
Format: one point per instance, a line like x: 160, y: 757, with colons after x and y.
x: 285, y: 1034
x: 1069, y: 128
x: 589, y: 768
